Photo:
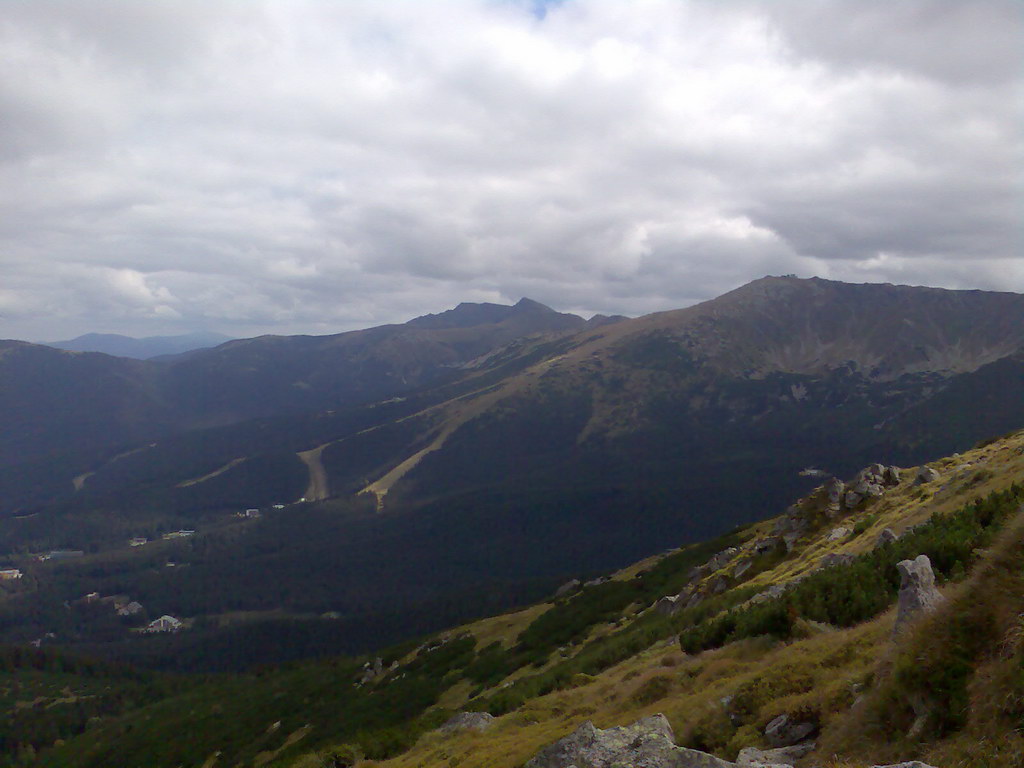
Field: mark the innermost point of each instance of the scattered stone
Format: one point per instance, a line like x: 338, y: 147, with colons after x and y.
x: 752, y: 757
x: 790, y: 540
x: 887, y: 536
x: 838, y: 534
x: 774, y: 591
x: 925, y: 475
x: 892, y: 475
x: 852, y: 499
x: 468, y: 721
x: 668, y: 605
x: 783, y: 731
x: 742, y: 568
x: 917, y: 591
x: 721, y: 559
x: 648, y: 742
x: 833, y: 558
x: 567, y: 588
x: 764, y: 546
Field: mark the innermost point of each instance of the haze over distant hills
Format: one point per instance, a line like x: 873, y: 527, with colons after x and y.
x: 140, y: 349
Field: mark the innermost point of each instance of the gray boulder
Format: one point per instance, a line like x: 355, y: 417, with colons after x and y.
x: 773, y: 592
x: 468, y: 721
x: 752, y: 757
x: 885, y: 537
x: 770, y: 544
x: 784, y: 731
x: 721, y: 559
x: 918, y: 594
x: 925, y: 475
x: 668, y: 605
x: 835, y: 488
x: 838, y: 534
x: 834, y: 558
x: 648, y: 742
x: 892, y: 476
x: 909, y: 764
x: 852, y: 499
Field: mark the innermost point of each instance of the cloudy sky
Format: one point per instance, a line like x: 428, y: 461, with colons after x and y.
x: 320, y: 165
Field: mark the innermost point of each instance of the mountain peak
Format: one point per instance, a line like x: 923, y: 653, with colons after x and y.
x: 529, y: 305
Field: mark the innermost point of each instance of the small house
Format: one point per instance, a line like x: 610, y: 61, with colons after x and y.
x: 165, y: 623
x: 9, y: 574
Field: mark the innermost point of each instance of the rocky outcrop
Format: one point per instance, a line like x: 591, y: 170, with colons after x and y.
x: 925, y: 475
x: 885, y: 537
x: 767, y: 545
x: 669, y: 605
x: 869, y: 483
x: 649, y: 742
x: 838, y: 534
x: 852, y: 499
x: 468, y: 721
x: 752, y: 757
x: 370, y: 671
x: 721, y: 559
x: 785, y: 731
x: 791, y: 527
x: 918, y: 594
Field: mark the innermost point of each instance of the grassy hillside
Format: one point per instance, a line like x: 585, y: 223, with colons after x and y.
x: 720, y: 669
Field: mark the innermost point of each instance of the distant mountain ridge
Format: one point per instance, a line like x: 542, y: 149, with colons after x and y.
x: 467, y: 453
x: 66, y: 410
x: 140, y: 348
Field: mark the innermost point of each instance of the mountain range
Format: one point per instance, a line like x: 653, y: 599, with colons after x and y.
x: 465, y: 461
x: 141, y: 349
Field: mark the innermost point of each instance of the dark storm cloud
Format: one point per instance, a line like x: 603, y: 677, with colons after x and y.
x: 314, y: 166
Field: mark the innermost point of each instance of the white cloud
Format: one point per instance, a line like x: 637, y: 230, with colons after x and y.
x: 313, y: 166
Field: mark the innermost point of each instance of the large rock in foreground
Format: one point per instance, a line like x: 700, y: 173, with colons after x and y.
x: 648, y: 742
x: 918, y: 594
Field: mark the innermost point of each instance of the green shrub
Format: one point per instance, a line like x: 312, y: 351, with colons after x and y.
x: 651, y: 690
x: 844, y: 595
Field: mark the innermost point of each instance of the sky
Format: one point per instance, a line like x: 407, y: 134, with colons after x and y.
x: 315, y: 166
